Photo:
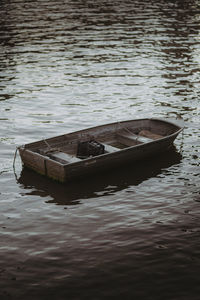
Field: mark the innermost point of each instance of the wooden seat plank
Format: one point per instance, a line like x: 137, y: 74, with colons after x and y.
x: 64, y: 157
x: 131, y: 139
x: 109, y: 148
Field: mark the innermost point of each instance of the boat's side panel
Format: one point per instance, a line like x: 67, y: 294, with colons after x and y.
x: 33, y: 161
x: 55, y: 170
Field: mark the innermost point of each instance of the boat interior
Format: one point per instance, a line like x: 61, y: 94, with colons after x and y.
x: 64, y: 149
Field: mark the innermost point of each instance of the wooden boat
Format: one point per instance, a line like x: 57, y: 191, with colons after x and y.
x: 91, y: 150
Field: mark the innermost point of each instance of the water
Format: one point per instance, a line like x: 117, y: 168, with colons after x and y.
x: 133, y: 233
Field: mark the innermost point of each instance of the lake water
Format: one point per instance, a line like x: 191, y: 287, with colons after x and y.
x: 132, y: 233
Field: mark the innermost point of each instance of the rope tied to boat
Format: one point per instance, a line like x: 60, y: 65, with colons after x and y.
x: 14, y: 160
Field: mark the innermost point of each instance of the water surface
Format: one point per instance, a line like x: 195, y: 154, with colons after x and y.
x: 129, y: 233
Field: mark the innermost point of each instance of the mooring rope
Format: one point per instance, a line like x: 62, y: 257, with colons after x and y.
x: 14, y: 160
x: 15, y: 155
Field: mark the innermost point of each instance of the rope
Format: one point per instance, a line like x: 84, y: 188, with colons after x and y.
x: 15, y: 155
x: 182, y: 141
x: 14, y: 160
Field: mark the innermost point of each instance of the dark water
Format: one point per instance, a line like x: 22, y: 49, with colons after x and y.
x: 132, y: 233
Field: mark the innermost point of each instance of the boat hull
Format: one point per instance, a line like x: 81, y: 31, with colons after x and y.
x: 63, y: 172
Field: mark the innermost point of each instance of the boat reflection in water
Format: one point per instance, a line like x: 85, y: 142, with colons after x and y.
x: 71, y: 193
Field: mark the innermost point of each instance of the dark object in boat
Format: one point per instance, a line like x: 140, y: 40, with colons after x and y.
x: 122, y: 142
x: 89, y: 148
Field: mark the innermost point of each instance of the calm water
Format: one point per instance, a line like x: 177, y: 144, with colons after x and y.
x: 132, y: 233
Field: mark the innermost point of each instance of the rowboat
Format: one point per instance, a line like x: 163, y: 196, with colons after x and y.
x: 90, y: 150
